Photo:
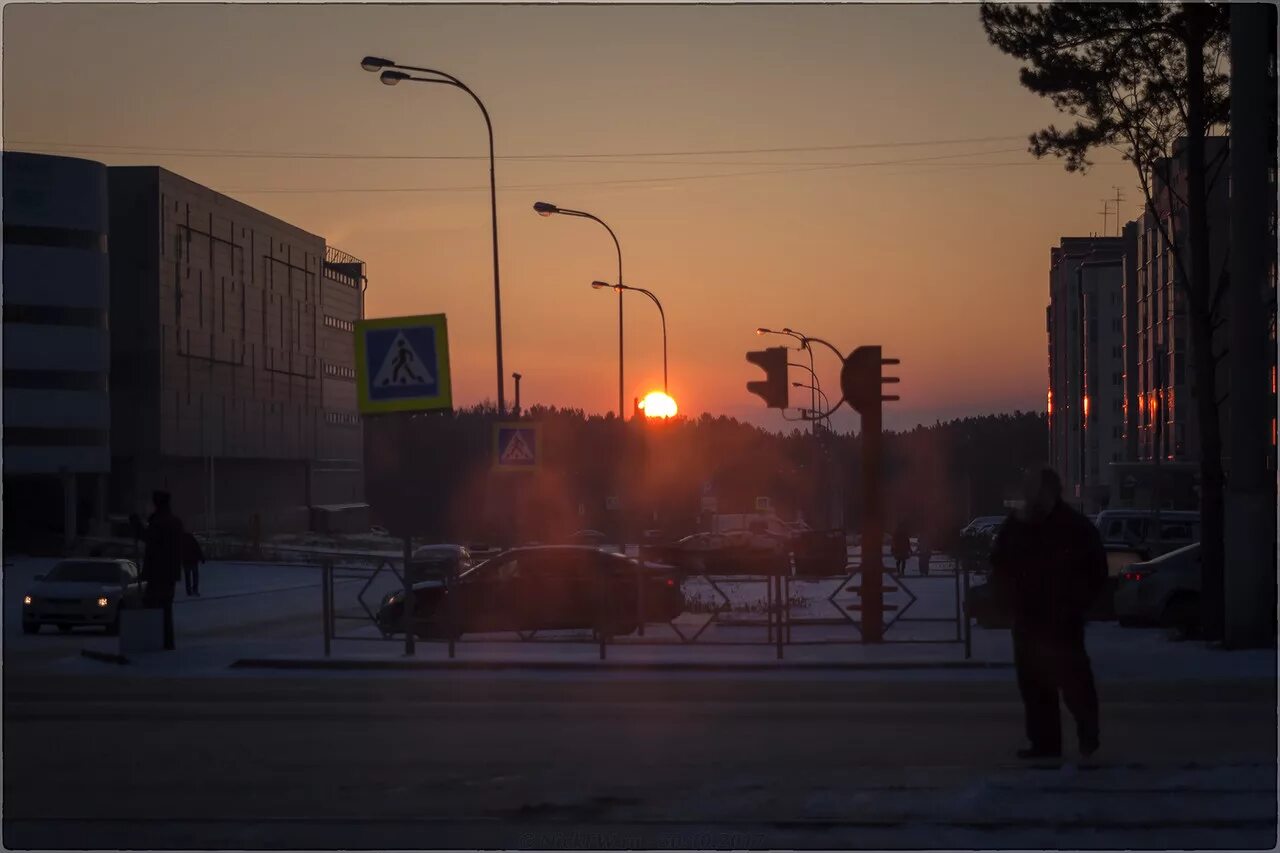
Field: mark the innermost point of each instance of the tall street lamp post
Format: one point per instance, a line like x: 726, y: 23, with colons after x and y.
x: 600, y: 285
x: 545, y: 208
x: 393, y: 73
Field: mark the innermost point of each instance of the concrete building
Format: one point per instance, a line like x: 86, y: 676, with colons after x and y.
x: 338, y: 476
x: 1078, y: 325
x: 57, y: 419
x: 1162, y: 427
x: 225, y: 339
x: 1101, y: 284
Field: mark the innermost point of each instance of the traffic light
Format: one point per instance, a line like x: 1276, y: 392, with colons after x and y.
x: 861, y: 379
x: 774, y: 389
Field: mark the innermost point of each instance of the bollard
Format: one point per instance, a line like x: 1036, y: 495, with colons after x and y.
x: 408, y: 597
x: 326, y: 603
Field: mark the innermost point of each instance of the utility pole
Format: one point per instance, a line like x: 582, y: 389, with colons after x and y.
x: 1106, y: 211
x: 1119, y: 198
x: 1250, y: 534
x: 517, y: 377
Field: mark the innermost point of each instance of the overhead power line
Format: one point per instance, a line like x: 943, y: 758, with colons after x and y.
x: 178, y: 151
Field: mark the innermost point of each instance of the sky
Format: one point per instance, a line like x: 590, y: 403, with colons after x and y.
x: 903, y: 209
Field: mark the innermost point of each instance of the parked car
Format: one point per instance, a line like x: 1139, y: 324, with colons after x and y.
x: 1164, y: 591
x: 81, y: 592
x: 733, y: 553
x: 548, y: 587
x: 1137, y: 528
x: 983, y: 524
x: 588, y: 537
x: 433, y: 561
x: 987, y: 606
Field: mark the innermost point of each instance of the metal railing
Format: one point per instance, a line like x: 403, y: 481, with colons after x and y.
x: 450, y: 626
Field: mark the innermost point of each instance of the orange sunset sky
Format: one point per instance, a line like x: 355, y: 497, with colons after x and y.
x: 937, y: 251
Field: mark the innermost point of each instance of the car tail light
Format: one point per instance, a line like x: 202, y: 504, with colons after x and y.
x: 671, y: 582
x: 1136, y: 576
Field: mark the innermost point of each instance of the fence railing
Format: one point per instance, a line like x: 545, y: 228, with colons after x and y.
x: 775, y: 613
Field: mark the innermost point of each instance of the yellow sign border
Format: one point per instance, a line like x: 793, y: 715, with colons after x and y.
x: 443, y: 398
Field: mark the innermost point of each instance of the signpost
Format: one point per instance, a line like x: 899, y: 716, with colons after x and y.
x: 402, y: 367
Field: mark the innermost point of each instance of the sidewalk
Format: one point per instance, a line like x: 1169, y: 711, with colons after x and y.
x: 1119, y: 655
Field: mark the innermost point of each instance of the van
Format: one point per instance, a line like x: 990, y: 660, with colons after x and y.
x: 1137, y: 528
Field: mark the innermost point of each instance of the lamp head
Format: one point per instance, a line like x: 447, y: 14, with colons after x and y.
x: 545, y: 208
x: 390, y: 78
x: 762, y: 331
x: 600, y: 285
x: 375, y: 63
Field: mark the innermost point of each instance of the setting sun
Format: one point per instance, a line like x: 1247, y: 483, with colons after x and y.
x: 656, y: 404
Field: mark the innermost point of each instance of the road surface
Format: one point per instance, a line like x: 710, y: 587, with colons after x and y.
x: 599, y: 760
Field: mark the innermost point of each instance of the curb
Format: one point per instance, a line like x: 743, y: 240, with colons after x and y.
x: 103, y: 657
x: 590, y: 666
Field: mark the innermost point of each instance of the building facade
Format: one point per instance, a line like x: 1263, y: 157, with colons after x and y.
x: 57, y: 419
x: 338, y: 477
x: 1078, y: 268
x: 1162, y: 424
x: 220, y: 340
x: 1101, y: 284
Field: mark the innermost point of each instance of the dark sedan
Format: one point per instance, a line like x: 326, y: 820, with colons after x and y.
x: 541, y: 588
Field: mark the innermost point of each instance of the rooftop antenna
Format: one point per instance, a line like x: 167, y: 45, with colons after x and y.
x: 1105, y: 213
x: 1119, y: 198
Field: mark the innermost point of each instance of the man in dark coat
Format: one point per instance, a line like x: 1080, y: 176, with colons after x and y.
x: 1050, y: 565
x: 192, y: 557
x: 162, y: 563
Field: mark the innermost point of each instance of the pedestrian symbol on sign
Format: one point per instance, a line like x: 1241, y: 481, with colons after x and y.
x: 517, y: 451
x: 516, y: 446
x: 402, y: 366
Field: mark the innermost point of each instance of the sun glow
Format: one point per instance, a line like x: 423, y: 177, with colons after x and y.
x: 657, y: 404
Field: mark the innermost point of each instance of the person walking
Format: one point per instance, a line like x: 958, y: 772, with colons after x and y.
x: 162, y: 562
x: 923, y: 555
x: 192, y: 557
x: 1049, y: 563
x: 901, y: 547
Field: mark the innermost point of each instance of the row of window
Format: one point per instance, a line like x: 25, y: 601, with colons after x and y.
x: 339, y: 324
x: 339, y: 371
x: 342, y: 419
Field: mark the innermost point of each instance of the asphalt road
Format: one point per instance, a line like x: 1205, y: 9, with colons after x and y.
x: 607, y: 761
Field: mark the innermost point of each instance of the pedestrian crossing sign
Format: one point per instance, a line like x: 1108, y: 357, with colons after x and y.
x: 402, y: 364
x: 517, y: 447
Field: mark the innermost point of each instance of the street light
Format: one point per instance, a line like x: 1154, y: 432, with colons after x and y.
x: 826, y: 403
x: 546, y: 208
x: 600, y: 285
x: 393, y: 73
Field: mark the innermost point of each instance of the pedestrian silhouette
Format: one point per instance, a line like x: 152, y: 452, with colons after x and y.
x: 1050, y: 566
x: 901, y: 547
x: 162, y: 562
x: 192, y: 557
x: 404, y: 357
x: 923, y: 555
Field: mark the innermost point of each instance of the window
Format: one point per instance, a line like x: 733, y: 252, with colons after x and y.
x: 342, y: 419
x: 339, y: 371
x: 339, y: 324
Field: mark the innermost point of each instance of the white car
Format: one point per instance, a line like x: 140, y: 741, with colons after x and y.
x: 1164, y: 591
x: 81, y: 592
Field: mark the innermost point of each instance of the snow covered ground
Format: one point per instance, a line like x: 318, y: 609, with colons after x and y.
x: 250, y: 610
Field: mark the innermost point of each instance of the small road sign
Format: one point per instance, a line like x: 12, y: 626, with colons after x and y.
x: 516, y: 446
x: 402, y: 364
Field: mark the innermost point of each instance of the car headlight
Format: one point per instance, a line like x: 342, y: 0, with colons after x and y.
x: 104, y: 601
x: 26, y: 600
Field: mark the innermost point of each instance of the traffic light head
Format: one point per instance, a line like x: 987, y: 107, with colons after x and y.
x: 861, y: 379
x: 774, y: 388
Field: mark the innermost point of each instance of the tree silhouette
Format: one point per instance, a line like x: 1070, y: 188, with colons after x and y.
x: 1145, y: 78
